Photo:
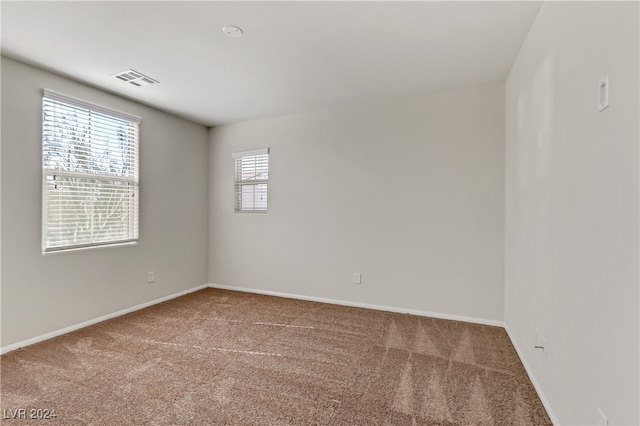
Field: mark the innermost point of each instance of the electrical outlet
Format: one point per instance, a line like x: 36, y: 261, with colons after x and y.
x: 601, y: 419
x: 357, y: 278
x: 540, y: 343
x: 151, y: 277
x: 540, y: 140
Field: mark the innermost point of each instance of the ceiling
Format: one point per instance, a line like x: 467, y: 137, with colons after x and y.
x: 293, y: 56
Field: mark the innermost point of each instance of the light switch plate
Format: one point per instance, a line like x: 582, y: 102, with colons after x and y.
x: 603, y: 93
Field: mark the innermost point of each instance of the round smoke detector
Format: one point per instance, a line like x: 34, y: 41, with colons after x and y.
x: 232, y: 31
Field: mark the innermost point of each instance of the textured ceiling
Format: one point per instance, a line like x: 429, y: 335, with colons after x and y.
x: 293, y: 56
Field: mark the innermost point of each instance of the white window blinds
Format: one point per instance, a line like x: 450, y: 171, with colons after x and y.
x: 90, y: 174
x: 251, y: 181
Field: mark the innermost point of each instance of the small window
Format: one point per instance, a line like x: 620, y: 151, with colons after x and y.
x: 90, y: 174
x: 251, y: 181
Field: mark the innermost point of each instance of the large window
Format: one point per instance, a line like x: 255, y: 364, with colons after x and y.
x: 90, y: 174
x: 251, y: 181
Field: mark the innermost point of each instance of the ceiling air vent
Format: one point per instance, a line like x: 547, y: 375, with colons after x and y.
x: 135, y: 78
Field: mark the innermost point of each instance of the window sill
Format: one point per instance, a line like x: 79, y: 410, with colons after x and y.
x: 90, y: 248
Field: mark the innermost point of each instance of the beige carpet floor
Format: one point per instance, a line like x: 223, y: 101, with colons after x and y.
x: 223, y: 357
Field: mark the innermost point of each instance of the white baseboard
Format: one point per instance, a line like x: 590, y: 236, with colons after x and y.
x: 532, y: 377
x: 83, y: 324
x: 362, y: 305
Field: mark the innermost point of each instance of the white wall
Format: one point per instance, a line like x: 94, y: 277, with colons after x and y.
x: 572, y: 208
x: 43, y: 293
x: 408, y: 192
